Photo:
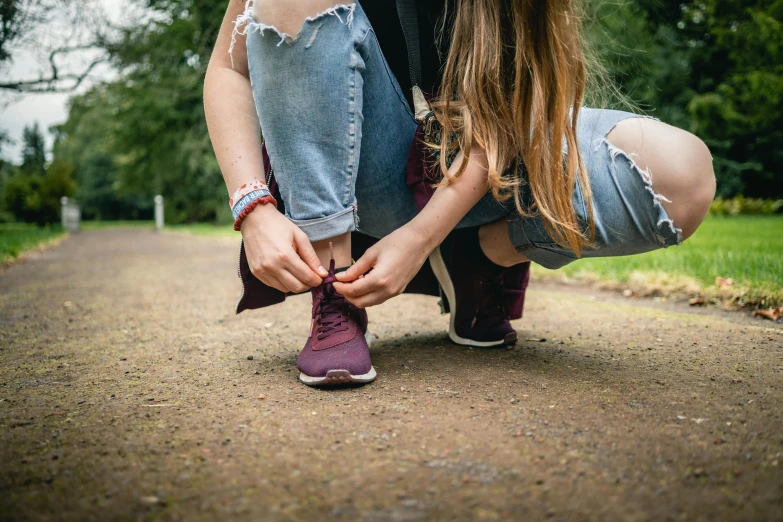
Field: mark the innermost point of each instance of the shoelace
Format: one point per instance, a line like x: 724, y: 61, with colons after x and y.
x: 331, y: 310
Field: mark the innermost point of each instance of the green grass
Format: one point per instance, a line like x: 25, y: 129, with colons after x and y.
x: 747, y: 249
x: 16, y: 238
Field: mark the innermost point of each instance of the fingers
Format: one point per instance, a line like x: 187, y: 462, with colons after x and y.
x: 357, y: 288
x: 292, y: 283
x: 368, y: 300
x: 273, y: 282
x: 370, y: 290
x: 358, y: 269
x: 302, y: 272
x: 282, y: 279
x: 306, y: 252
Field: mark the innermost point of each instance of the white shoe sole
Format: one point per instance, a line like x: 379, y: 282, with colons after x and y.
x: 337, y: 377
x: 442, y: 273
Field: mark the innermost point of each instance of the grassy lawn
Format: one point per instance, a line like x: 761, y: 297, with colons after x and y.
x: 15, y: 238
x: 747, y: 249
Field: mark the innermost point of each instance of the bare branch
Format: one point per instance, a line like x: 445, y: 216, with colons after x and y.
x: 52, y: 83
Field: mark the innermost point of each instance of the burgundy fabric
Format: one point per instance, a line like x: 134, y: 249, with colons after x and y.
x: 420, y: 177
x: 337, y: 334
x: 421, y: 174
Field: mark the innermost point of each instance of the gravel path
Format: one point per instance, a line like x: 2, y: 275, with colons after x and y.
x: 130, y: 391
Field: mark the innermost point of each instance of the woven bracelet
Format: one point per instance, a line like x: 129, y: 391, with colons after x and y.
x: 263, y: 200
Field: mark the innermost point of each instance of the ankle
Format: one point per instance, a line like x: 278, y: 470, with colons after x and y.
x: 340, y: 249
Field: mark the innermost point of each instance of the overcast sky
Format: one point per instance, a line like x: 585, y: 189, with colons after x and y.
x: 46, y: 109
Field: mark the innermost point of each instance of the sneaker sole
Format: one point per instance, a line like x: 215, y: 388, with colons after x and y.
x: 442, y: 274
x: 339, y: 377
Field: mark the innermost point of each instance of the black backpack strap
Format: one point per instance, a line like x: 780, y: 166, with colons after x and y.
x: 409, y: 20
x: 406, y: 10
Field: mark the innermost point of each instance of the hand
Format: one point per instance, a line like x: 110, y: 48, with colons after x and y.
x: 279, y: 253
x: 394, y: 261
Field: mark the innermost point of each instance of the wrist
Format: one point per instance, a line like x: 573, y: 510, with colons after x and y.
x: 256, y: 216
x: 424, y: 236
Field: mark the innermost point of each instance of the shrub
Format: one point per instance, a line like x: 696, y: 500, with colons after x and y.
x: 742, y: 205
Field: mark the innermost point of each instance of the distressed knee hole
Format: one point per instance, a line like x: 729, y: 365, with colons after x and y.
x: 646, y: 176
x: 248, y: 22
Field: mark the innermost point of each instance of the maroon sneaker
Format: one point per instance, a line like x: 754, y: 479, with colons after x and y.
x: 473, y: 294
x: 337, y: 350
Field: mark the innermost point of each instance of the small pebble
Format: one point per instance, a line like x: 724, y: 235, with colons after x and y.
x: 249, y: 357
x: 150, y: 398
x: 262, y: 396
x: 123, y: 358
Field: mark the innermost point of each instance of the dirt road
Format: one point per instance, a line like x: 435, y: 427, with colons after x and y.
x: 130, y: 391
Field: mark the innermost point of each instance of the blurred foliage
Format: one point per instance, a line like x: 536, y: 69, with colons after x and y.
x: 145, y: 134
x: 742, y: 205
x: 32, y: 192
x: 713, y: 67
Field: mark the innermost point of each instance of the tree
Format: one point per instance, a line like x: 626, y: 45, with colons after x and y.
x: 153, y: 116
x: 714, y: 67
x: 69, y: 38
x: 87, y: 140
x: 33, y: 150
x: 32, y: 193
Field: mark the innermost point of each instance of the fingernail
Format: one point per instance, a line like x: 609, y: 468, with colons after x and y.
x: 322, y: 271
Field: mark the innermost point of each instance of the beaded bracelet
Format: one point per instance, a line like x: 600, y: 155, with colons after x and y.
x: 247, y: 198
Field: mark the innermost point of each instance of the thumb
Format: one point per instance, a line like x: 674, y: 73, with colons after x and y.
x: 359, y: 268
x: 308, y: 255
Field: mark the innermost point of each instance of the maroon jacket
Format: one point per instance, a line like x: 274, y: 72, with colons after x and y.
x: 420, y: 176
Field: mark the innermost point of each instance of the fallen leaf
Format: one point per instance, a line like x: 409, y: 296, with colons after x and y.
x: 773, y: 314
x: 730, y: 307
x: 724, y: 282
x: 697, y: 301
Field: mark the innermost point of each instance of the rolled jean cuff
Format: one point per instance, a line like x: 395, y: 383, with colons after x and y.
x: 329, y: 226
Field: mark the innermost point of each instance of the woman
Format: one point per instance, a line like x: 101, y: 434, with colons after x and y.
x: 525, y: 174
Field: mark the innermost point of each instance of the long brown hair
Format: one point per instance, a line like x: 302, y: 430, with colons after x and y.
x: 513, y: 85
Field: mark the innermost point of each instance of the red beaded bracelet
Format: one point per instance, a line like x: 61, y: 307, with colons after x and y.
x: 250, y: 207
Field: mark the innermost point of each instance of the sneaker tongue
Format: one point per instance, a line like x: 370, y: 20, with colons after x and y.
x: 328, y: 304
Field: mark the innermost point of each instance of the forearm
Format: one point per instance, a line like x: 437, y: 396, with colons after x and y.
x: 450, y: 203
x: 229, y: 107
x: 233, y: 126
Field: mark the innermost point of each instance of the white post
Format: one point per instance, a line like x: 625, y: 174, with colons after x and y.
x: 71, y: 214
x: 159, y: 212
x: 64, y: 212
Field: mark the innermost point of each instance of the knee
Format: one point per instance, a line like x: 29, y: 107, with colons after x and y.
x: 288, y: 16
x: 696, y: 177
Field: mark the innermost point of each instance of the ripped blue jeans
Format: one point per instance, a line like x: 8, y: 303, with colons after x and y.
x: 338, y: 129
